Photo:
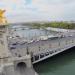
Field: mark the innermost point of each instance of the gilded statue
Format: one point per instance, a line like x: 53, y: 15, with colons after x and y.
x: 2, y: 17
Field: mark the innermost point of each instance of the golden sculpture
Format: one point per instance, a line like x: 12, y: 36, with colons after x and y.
x: 3, y: 20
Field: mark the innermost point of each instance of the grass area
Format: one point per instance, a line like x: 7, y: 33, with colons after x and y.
x: 64, y: 25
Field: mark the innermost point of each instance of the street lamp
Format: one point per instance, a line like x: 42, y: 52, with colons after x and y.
x: 27, y: 48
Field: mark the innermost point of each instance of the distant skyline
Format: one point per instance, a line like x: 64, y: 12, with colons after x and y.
x: 38, y: 10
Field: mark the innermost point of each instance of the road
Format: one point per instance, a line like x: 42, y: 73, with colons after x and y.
x: 41, y: 46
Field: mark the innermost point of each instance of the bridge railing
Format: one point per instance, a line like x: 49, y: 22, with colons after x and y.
x: 62, y: 46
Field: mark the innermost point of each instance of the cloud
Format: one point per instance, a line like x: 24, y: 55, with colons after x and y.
x: 28, y: 10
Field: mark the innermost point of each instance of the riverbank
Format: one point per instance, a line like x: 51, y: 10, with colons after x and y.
x: 60, y: 29
x: 55, y: 24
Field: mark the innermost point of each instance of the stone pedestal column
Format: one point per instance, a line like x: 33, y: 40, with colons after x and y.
x: 4, y: 51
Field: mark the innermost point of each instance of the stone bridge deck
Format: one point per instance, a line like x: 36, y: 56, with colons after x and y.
x: 42, y: 49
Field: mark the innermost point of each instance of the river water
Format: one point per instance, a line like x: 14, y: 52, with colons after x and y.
x: 61, y: 64
x: 29, y: 33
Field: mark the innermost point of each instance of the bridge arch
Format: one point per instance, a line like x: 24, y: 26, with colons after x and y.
x: 21, y: 65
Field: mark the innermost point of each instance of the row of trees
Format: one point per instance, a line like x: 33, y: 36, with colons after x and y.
x: 65, y: 25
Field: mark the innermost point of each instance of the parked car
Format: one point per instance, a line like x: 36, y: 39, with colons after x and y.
x: 12, y: 48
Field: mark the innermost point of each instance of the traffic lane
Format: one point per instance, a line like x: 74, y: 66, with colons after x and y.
x: 20, y: 45
x: 21, y: 51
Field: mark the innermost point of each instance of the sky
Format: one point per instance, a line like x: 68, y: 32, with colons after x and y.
x: 38, y: 10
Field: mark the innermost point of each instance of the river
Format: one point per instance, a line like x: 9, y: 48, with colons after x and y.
x: 29, y: 33
x: 61, y: 64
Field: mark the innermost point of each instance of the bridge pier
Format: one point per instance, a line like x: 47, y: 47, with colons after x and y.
x: 17, y: 66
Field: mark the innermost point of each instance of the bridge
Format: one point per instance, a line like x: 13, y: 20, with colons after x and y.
x: 56, y: 46
x: 10, y: 65
x: 42, y: 49
x: 17, y: 55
